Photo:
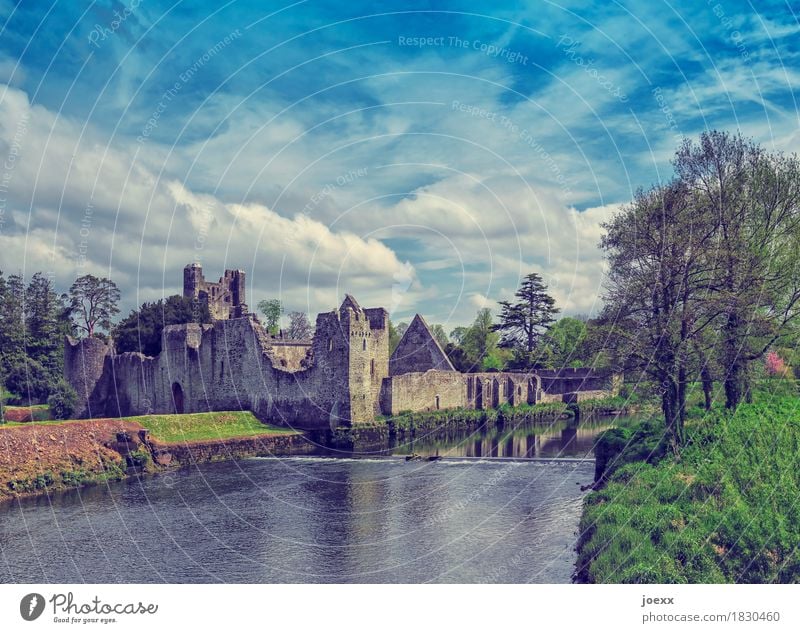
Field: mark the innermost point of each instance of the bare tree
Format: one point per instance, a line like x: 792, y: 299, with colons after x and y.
x: 299, y: 326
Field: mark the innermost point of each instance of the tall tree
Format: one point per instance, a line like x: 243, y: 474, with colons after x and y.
x: 655, y: 291
x: 457, y: 334
x: 522, y: 323
x: 94, y: 303
x: 12, y: 322
x: 565, y: 342
x: 401, y: 329
x: 754, y: 198
x: 394, y: 337
x: 272, y: 309
x: 299, y: 326
x: 439, y: 334
x: 43, y: 310
x: 480, y: 339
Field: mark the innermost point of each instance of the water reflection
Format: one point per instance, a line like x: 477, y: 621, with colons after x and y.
x: 563, y: 438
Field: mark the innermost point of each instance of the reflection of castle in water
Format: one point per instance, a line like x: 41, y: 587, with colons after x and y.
x: 557, y: 440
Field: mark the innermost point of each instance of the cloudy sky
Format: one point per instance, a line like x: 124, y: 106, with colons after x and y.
x: 420, y: 155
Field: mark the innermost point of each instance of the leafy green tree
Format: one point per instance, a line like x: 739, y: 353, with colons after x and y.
x: 564, y: 341
x: 141, y: 330
x: 44, y: 311
x: 12, y: 323
x: 272, y: 309
x: 753, y: 199
x: 458, y: 358
x: 656, y: 291
x: 29, y: 382
x: 394, y: 337
x: 94, y: 303
x: 401, y: 329
x: 480, y: 340
x: 523, y: 323
x: 457, y: 334
x: 439, y: 334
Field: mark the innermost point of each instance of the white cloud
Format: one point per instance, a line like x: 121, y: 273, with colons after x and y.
x: 71, y: 196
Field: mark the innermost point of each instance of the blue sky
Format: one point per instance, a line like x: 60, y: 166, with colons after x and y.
x: 422, y: 156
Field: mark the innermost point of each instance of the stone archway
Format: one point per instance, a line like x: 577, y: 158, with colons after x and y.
x: 177, y: 397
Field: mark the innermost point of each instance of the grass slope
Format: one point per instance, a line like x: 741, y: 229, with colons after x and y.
x: 727, y: 511
x: 219, y: 425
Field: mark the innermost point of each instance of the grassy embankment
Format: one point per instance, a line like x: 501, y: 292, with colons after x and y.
x: 192, y: 427
x: 52, y: 455
x: 727, y: 510
x: 34, y: 413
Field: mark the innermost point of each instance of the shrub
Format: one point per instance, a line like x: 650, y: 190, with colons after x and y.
x: 30, y: 381
x: 62, y: 401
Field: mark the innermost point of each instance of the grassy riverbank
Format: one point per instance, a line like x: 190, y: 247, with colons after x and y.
x: 191, y: 427
x: 728, y: 510
x: 42, y: 456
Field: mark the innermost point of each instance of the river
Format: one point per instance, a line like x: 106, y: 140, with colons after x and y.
x: 467, y: 518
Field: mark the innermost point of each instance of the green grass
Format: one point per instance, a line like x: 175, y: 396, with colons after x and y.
x: 191, y: 426
x: 5, y: 425
x: 39, y: 412
x: 727, y: 511
x: 206, y: 426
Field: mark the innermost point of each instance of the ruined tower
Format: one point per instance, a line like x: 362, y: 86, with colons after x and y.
x: 225, y: 298
x: 352, y: 343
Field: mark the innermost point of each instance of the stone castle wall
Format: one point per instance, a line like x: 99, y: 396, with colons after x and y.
x: 232, y: 365
x: 424, y: 391
x: 341, y: 378
x: 434, y: 389
x: 291, y: 355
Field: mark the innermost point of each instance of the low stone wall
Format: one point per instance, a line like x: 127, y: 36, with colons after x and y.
x: 423, y: 391
x: 188, y: 453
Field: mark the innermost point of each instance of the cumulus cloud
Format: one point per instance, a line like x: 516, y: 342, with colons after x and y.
x: 74, y: 205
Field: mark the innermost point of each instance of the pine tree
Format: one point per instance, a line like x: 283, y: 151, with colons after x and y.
x: 522, y: 323
x: 43, y: 309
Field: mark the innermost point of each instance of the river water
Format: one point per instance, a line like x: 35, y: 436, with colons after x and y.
x: 321, y: 519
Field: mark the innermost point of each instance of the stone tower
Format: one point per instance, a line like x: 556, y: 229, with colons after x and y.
x: 352, y: 344
x: 84, y: 364
x: 225, y: 298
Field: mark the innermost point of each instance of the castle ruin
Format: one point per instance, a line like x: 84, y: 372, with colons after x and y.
x: 344, y: 376
x: 225, y: 298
